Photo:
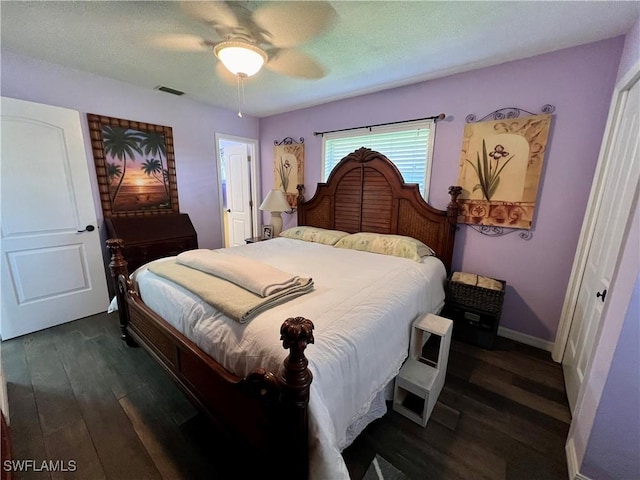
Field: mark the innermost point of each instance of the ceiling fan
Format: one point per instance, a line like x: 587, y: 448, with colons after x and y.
x: 245, y: 35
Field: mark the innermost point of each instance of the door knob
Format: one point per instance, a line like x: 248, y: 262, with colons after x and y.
x: 88, y: 228
x: 228, y: 210
x: 601, y: 294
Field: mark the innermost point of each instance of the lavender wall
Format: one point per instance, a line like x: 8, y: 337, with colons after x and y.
x: 194, y: 126
x: 578, y: 81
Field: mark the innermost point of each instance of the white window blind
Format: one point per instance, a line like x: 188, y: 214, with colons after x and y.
x: 408, y: 145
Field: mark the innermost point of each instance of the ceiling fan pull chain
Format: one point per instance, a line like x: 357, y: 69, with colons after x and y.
x: 241, y: 77
x: 239, y: 97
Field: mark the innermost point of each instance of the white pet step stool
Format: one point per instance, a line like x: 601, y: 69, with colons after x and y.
x: 421, y: 379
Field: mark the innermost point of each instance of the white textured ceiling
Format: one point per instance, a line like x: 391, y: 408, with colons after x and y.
x: 371, y: 46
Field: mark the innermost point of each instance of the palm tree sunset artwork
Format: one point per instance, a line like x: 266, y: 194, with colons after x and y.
x: 135, y: 165
x: 137, y: 174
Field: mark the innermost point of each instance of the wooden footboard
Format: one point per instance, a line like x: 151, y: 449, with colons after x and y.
x: 265, y: 412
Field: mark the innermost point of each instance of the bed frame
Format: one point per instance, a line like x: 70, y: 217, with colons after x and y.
x: 265, y: 413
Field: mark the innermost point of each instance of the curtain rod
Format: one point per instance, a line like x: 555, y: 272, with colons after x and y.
x: 435, y: 117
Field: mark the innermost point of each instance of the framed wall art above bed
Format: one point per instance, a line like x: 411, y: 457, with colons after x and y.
x: 288, y: 165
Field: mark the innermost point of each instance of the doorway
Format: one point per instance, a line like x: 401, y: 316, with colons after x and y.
x: 238, y: 174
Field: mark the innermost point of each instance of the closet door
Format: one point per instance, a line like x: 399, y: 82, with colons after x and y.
x: 618, y: 192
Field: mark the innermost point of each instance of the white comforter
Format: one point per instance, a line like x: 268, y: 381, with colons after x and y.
x: 362, y: 308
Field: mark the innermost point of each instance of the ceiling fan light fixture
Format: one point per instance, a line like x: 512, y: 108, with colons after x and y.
x: 240, y: 58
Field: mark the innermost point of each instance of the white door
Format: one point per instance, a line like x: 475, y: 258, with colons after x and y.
x: 618, y: 191
x: 239, y: 204
x: 52, y: 267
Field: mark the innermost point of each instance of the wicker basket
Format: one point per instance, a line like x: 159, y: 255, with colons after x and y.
x: 473, y: 296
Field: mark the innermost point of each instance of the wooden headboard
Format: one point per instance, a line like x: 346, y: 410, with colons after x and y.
x: 365, y: 192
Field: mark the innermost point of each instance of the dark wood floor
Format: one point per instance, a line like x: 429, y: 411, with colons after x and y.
x: 77, y: 393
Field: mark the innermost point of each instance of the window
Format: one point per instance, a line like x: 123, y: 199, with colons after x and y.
x: 409, y: 145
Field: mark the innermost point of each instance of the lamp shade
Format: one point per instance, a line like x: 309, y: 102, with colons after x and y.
x: 240, y: 58
x: 275, y: 201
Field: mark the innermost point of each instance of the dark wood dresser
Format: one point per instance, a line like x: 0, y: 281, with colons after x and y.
x: 147, y: 238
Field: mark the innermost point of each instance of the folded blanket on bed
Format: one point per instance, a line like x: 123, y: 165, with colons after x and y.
x: 257, y: 277
x: 227, y: 297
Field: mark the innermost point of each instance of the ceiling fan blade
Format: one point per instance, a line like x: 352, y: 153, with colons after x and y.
x: 230, y: 19
x: 181, y: 43
x: 294, y: 64
x: 214, y: 13
x: 291, y: 23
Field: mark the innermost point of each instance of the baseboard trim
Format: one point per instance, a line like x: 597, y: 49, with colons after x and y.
x: 526, y: 339
x: 572, y: 462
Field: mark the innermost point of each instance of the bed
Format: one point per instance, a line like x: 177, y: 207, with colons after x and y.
x: 293, y: 412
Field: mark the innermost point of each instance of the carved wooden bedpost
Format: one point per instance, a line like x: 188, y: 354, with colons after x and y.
x: 120, y: 277
x: 296, y: 333
x: 300, y: 188
x: 453, y: 209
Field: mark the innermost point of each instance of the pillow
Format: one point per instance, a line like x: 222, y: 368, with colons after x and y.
x: 314, y: 234
x: 396, y: 245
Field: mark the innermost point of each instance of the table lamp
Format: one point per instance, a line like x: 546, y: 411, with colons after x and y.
x: 275, y: 202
